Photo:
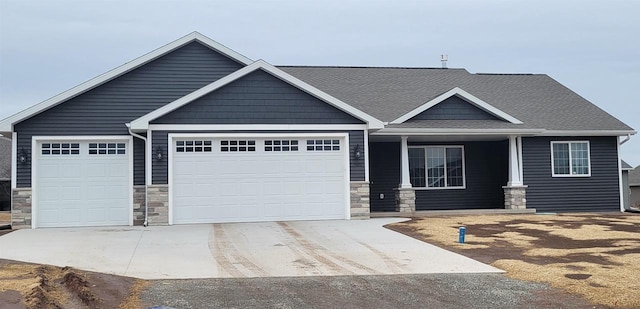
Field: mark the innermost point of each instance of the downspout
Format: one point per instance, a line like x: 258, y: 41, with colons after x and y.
x: 626, y: 139
x: 146, y: 187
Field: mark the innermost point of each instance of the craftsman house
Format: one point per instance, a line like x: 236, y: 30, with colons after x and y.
x: 204, y: 134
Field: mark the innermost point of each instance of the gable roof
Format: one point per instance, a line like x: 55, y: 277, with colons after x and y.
x: 142, y: 123
x: 457, y: 91
x: 6, y: 125
x: 625, y: 166
x: 537, y: 100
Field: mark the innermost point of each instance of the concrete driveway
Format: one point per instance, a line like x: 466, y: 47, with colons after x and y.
x: 238, y: 250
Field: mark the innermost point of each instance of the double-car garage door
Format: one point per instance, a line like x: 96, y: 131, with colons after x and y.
x: 243, y: 179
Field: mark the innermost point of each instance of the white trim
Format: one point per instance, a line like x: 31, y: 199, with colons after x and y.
x: 521, y: 161
x: 426, y: 167
x: 464, y: 95
x: 553, y: 172
x: 587, y: 133
x: 254, y: 127
x: 142, y: 123
x: 34, y: 171
x: 6, y: 125
x: 148, y: 161
x: 405, y: 180
x: 515, y: 162
x: 14, y: 162
x: 366, y: 156
x: 619, y: 175
x: 444, y: 131
x: 171, y: 137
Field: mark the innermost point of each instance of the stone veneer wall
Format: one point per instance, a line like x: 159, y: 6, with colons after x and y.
x: 359, y: 191
x: 158, y: 208
x: 138, y: 205
x: 515, y: 197
x: 21, y: 208
x: 406, y: 201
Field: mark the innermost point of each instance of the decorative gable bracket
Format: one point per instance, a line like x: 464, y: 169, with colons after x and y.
x: 464, y: 95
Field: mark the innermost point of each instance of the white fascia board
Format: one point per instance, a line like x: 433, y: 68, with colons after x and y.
x: 142, y: 123
x: 468, y: 97
x: 255, y: 127
x: 419, y: 131
x: 6, y: 125
x: 588, y: 133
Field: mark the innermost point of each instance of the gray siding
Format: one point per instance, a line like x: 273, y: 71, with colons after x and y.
x: 160, y: 169
x: 486, y: 171
x: 258, y: 98
x: 384, y: 175
x: 626, y: 190
x: 106, y: 108
x: 600, y: 192
x: 485, y: 174
x: 454, y: 108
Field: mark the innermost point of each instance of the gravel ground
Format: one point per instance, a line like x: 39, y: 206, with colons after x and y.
x: 395, y: 291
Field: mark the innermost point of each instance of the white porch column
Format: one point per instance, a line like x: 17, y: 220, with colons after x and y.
x: 515, y: 162
x: 404, y: 159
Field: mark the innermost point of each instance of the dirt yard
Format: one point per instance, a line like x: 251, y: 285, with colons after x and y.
x: 594, y: 255
x: 25, y: 285
x: 5, y: 217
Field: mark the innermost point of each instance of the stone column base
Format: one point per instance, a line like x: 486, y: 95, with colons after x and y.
x: 359, y: 208
x: 158, y: 208
x: 406, y: 201
x: 21, y: 208
x: 138, y: 204
x: 515, y: 197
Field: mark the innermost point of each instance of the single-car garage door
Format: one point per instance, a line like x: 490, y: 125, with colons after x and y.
x: 246, y: 179
x: 82, y: 183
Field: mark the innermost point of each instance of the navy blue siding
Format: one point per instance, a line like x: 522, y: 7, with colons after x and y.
x: 486, y: 171
x: 600, y: 192
x: 105, y: 109
x: 258, y: 98
x: 384, y: 175
x: 138, y: 161
x: 160, y: 169
x: 454, y: 108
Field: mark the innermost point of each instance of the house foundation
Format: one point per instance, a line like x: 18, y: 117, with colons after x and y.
x: 515, y: 197
x: 21, y: 208
x: 359, y: 208
x: 406, y: 201
x: 158, y: 208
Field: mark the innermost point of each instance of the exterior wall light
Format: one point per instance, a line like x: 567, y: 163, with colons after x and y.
x: 22, y: 156
x: 357, y: 153
x: 157, y: 155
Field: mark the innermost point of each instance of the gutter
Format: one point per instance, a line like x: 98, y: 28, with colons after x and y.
x: 146, y: 186
x: 626, y: 139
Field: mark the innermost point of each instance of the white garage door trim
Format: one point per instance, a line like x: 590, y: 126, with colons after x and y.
x: 344, y: 136
x: 34, y: 163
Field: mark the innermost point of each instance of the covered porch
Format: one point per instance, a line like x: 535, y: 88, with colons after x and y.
x: 414, y: 172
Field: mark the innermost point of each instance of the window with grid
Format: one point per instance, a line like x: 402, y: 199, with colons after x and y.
x: 323, y: 145
x: 281, y: 145
x: 237, y: 145
x: 436, y: 166
x: 193, y: 146
x: 60, y: 149
x: 107, y: 148
x: 570, y: 158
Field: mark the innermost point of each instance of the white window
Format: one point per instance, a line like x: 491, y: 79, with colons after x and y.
x: 107, y: 148
x: 281, y: 145
x: 237, y: 145
x: 193, y: 146
x: 60, y: 149
x: 323, y: 145
x: 570, y: 159
x: 437, y: 167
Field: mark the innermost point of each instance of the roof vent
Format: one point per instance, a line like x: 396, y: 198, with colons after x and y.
x: 444, y: 59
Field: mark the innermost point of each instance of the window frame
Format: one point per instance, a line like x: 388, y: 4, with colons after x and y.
x: 426, y: 167
x: 553, y: 169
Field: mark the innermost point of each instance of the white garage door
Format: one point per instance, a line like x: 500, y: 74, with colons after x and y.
x: 82, y: 183
x: 258, y: 179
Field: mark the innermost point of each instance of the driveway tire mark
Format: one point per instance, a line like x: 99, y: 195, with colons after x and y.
x: 233, y: 252
x: 317, y: 250
x: 217, y: 248
x: 394, y: 266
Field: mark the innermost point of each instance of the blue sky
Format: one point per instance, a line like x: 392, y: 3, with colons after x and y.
x: 591, y: 47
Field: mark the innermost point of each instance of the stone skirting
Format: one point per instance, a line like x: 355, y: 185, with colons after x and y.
x: 138, y: 205
x: 21, y: 208
x: 158, y: 208
x: 405, y: 200
x: 360, y: 208
x: 515, y: 197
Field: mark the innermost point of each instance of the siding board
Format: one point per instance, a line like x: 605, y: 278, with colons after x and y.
x: 105, y: 109
x: 600, y: 192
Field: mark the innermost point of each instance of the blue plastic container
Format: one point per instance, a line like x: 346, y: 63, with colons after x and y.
x: 462, y: 232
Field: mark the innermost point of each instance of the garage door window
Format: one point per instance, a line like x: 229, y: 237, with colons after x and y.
x: 281, y: 145
x: 193, y: 146
x: 107, y: 148
x: 323, y: 145
x: 237, y: 145
x: 60, y: 149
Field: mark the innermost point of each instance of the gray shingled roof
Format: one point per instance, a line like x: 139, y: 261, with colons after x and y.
x: 625, y: 165
x: 388, y: 93
x: 634, y: 176
x: 5, y: 159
